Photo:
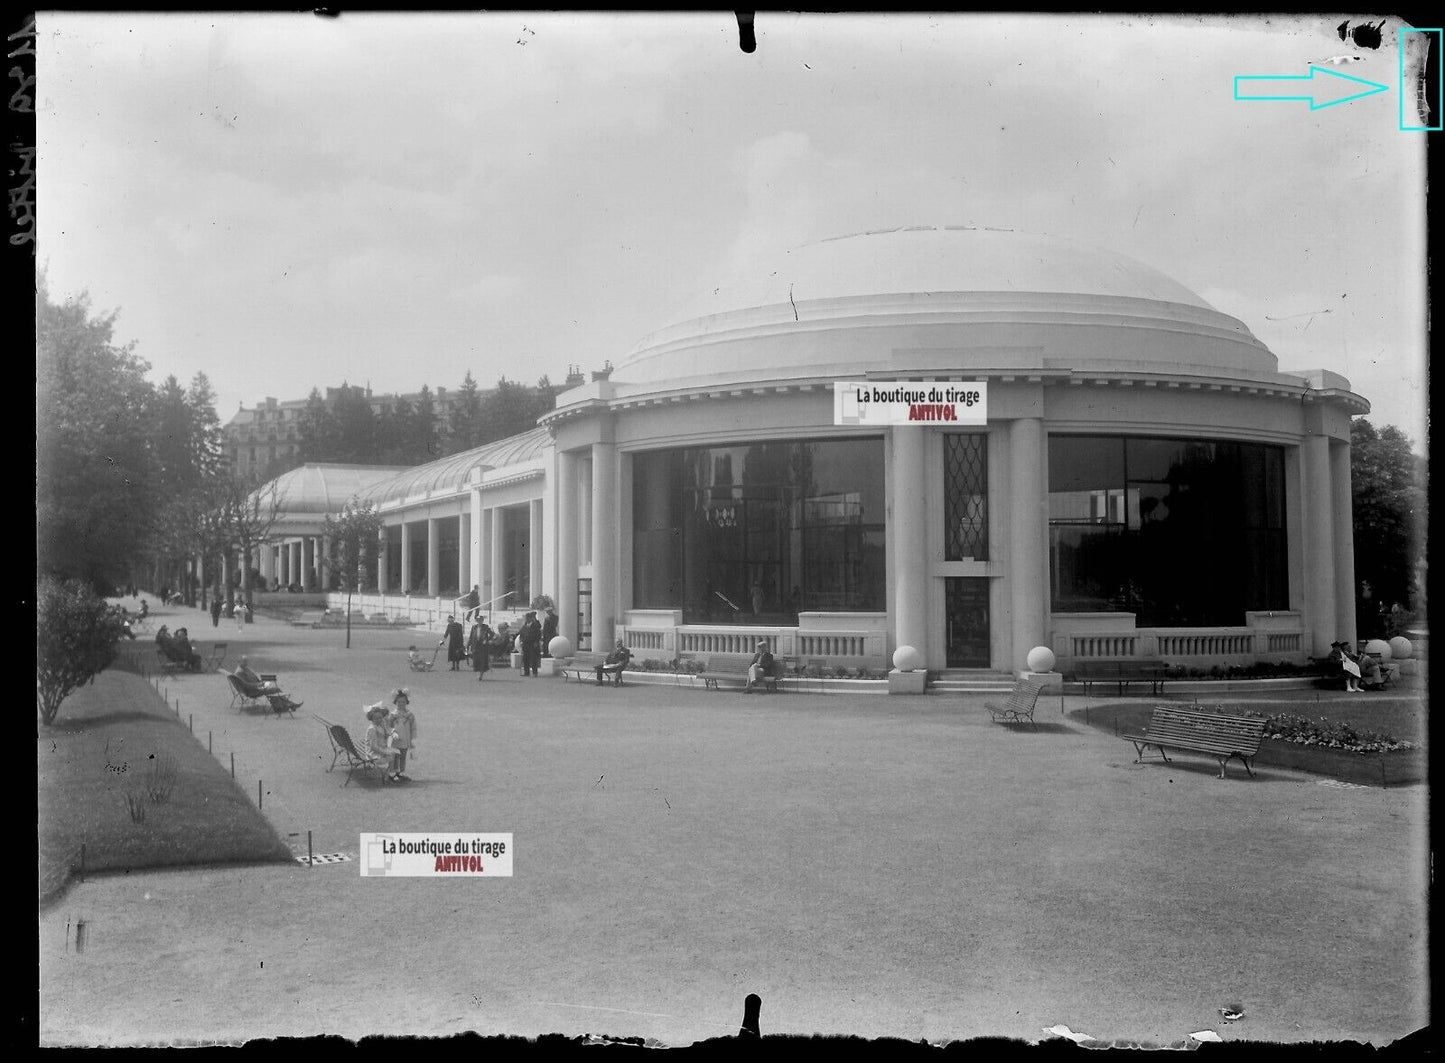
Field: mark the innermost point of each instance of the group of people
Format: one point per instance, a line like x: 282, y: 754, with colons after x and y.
x: 391, y: 734
x: 1361, y: 671
x: 531, y: 640
x: 177, y: 647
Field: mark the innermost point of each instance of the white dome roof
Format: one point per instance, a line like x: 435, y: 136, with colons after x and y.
x: 997, y: 298
x: 947, y: 259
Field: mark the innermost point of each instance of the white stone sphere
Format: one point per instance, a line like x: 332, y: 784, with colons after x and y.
x: 1401, y: 648
x: 907, y: 659
x: 1378, y: 648
x: 1041, y: 659
x: 560, y: 646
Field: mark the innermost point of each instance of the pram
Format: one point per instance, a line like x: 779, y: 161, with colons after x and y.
x: 419, y: 665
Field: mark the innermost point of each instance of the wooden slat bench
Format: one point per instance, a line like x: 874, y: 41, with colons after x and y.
x: 1122, y: 672
x: 730, y: 668
x: 1212, y: 733
x: 1020, y: 704
x: 583, y: 668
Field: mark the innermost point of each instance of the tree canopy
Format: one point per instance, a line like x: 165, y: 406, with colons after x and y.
x: 1387, y: 481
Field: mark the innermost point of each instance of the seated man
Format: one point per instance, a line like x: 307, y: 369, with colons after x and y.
x: 614, y: 663
x: 254, y: 681
x: 759, y: 667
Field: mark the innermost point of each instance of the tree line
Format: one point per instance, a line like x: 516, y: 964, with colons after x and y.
x: 343, y: 427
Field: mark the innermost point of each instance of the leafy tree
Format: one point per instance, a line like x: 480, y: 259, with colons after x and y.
x: 356, y: 439
x: 425, y: 444
x: 1387, y: 484
x: 95, y: 469
x: 353, y: 536
x: 317, y: 429
x: 464, y: 427
x: 248, y: 513
x: 76, y: 635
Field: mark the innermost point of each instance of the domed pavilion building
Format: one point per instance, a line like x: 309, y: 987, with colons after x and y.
x: 1148, y: 484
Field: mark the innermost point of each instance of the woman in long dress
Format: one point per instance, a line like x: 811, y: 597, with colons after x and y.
x: 456, y: 652
x: 480, y: 643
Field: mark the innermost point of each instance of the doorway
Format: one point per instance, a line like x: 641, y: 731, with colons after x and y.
x: 966, y: 622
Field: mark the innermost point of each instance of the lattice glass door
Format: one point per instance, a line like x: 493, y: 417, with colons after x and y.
x: 966, y: 622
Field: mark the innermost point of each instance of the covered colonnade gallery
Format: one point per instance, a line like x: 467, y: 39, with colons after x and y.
x: 1148, y: 482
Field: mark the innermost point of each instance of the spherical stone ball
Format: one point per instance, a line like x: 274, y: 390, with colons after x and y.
x: 1378, y: 648
x: 560, y: 646
x: 1402, y: 648
x: 907, y: 659
x: 1041, y: 659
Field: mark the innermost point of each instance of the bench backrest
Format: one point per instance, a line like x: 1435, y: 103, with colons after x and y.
x: 1211, y: 731
x: 343, y: 739
x: 737, y: 665
x: 1024, y: 696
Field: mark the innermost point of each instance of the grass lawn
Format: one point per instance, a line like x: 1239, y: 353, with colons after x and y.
x: 106, y: 745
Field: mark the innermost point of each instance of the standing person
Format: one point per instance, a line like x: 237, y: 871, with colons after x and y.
x: 480, y: 643
x: 216, y: 611
x: 238, y: 611
x: 452, y: 639
x: 403, y: 731
x: 530, y: 642
x: 549, y: 632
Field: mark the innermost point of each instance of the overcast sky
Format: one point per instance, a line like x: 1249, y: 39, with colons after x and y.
x: 287, y: 201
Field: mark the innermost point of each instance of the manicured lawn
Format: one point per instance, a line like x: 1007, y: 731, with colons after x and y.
x: 106, y: 745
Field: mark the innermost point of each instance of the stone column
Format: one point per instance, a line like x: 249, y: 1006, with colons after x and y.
x: 323, y: 564
x: 499, y: 558
x: 381, y: 549
x: 1342, y: 494
x: 308, y: 559
x: 475, y: 546
x: 464, y: 552
x: 604, y: 545
x: 433, y: 557
x: 1320, y: 557
x: 1028, y: 532
x: 909, y: 540
x: 566, y: 593
x: 534, y: 543
x: 406, y: 558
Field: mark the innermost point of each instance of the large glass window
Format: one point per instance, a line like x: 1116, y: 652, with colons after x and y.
x: 1181, y: 532
x: 758, y: 533
x: 965, y: 497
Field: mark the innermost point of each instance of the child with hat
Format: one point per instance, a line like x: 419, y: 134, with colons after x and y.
x: 403, y: 730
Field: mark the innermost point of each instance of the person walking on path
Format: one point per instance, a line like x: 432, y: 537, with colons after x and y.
x: 216, y: 611
x: 452, y: 639
x: 403, y: 731
x: 480, y: 644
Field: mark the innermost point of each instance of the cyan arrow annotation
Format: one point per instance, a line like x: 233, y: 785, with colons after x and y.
x: 1288, y: 87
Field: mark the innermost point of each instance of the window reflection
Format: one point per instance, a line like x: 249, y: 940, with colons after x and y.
x: 1180, y: 532
x: 758, y: 533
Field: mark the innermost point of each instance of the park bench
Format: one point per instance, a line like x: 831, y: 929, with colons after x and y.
x: 583, y: 668
x: 1212, y: 733
x: 1122, y: 672
x: 1019, y: 707
x: 217, y: 657
x: 730, y: 668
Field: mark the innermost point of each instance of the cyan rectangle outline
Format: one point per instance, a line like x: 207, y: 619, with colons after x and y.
x: 1440, y: 68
